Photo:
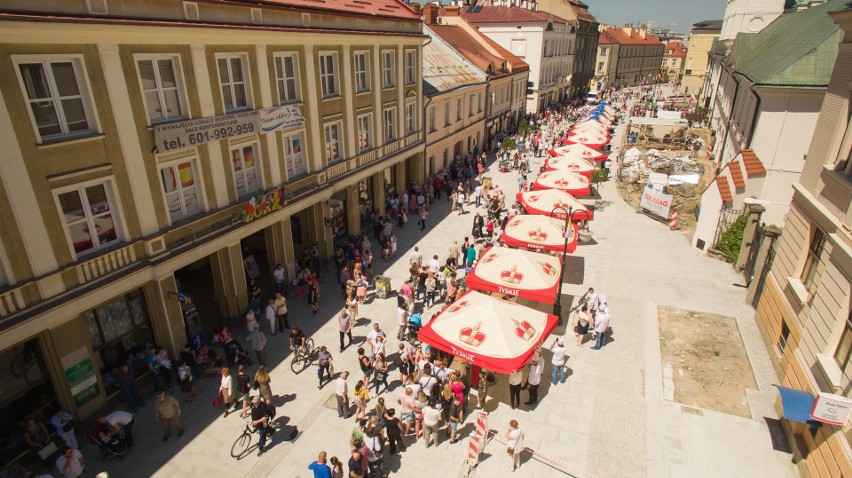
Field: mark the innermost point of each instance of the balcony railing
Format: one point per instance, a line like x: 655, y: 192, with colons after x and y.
x: 106, y: 263
x: 11, y: 301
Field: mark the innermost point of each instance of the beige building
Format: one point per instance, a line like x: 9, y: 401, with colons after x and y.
x: 804, y: 308
x: 163, y: 150
x: 638, y: 59
x: 673, y: 60
x: 584, y: 69
x: 695, y: 65
x: 606, y: 62
x: 456, y: 93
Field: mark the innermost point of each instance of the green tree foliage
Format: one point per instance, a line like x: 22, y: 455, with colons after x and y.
x: 732, y: 239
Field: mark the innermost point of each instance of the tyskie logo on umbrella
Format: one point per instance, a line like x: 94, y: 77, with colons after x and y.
x: 459, y: 306
x: 512, y: 276
x: 537, y: 235
x: 472, y: 335
x: 548, y: 268
x: 524, y: 329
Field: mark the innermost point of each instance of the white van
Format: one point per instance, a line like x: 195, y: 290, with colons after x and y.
x: 592, y: 98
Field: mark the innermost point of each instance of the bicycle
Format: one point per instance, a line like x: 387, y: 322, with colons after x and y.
x: 243, y: 442
x: 302, y: 357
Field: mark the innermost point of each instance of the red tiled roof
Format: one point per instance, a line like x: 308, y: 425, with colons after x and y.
x: 724, y: 189
x: 471, y: 49
x: 516, y: 63
x: 633, y: 38
x: 383, y: 8
x: 582, y: 11
x: 508, y: 14
x: 607, y: 39
x: 736, y: 174
x: 675, y: 50
x: 752, y: 163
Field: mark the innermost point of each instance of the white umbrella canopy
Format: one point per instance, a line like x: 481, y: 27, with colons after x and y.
x: 570, y: 163
x: 539, y: 232
x: 546, y: 200
x: 589, y: 126
x: 491, y: 333
x: 573, y: 183
x: 516, y: 272
x: 580, y: 150
x: 589, y: 138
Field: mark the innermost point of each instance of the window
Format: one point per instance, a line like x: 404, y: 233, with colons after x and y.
x: 233, y: 80
x: 432, y: 119
x: 783, y: 338
x: 287, y: 74
x: 294, y: 156
x: 180, y: 189
x: 244, y: 160
x: 470, y: 105
x: 812, y: 261
x: 328, y: 74
x: 458, y: 109
x: 85, y: 210
x: 332, y: 142
x: 410, y: 75
x: 600, y: 66
x: 161, y: 89
x: 479, y: 104
x: 410, y: 118
x: 446, y: 114
x: 390, y: 125
x: 844, y: 348
x: 365, y: 138
x: 56, y: 94
x: 362, y: 75
x: 387, y: 68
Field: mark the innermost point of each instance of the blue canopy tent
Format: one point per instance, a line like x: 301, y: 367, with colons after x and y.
x: 797, y: 404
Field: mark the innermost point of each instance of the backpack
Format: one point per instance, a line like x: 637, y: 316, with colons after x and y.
x: 271, y: 411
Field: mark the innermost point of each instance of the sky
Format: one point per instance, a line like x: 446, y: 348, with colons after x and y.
x: 678, y: 15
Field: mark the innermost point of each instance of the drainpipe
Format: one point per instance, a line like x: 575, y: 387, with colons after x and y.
x: 425, y: 107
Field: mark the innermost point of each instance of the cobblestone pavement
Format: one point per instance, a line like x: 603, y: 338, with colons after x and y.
x: 610, y: 418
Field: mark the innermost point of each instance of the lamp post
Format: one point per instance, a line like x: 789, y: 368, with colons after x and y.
x: 569, y: 222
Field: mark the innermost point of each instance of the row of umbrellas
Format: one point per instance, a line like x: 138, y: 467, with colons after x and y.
x: 501, y: 335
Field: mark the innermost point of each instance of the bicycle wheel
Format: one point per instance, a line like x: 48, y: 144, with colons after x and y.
x: 309, y: 345
x: 296, y: 364
x: 241, y: 445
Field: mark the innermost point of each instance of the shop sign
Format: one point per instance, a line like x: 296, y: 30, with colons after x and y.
x: 193, y: 132
x: 81, y: 377
x: 265, y: 203
x: 280, y: 117
x: 656, y: 202
x: 832, y: 409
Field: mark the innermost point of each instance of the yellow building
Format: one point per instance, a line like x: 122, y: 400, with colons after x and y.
x: 606, y: 62
x: 695, y: 65
x: 167, y: 147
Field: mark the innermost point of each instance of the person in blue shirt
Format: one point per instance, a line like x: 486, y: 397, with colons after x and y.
x: 320, y: 469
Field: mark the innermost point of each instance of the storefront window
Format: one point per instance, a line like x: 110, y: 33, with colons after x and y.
x: 120, y: 332
x: 337, y: 221
x: 365, y: 201
x: 390, y: 189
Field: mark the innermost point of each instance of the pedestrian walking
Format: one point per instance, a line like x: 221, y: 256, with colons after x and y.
x: 515, y: 388
x: 262, y: 382
x: 534, y: 379
x: 242, y: 384
x: 362, y: 396
x: 258, y: 344
x: 70, y: 463
x: 167, y: 412
x: 63, y: 423
x: 514, y: 443
x: 557, y: 362
x: 602, y: 320
x: 423, y: 215
x: 344, y: 321
x: 324, y: 365
x: 581, y: 328
x: 127, y: 383
x: 341, y: 390
x: 320, y: 468
x: 271, y: 315
x: 185, y: 380
x: 281, y: 312
x: 259, y: 413
x: 456, y: 417
x: 380, y: 367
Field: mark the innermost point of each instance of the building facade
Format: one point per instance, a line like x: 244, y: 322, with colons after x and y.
x: 160, y: 154
x: 456, y: 93
x: 695, y: 65
x: 606, y: 63
x: 639, y: 56
x: 673, y: 59
x: 542, y: 40
x: 586, y: 51
x: 804, y: 309
x: 764, y: 114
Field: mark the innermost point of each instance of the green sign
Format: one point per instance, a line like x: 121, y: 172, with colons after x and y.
x: 83, y: 381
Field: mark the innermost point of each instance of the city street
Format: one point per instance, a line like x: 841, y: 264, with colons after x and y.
x: 612, y: 417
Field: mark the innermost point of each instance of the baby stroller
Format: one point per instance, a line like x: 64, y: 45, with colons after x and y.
x: 414, y: 325
x: 235, y: 353
x: 109, y: 446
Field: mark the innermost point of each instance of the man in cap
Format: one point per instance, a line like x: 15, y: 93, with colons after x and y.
x: 260, y: 421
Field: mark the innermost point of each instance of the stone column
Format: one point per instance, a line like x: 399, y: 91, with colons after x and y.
x: 353, y: 214
x: 379, y: 193
x: 770, y: 235
x: 753, y: 212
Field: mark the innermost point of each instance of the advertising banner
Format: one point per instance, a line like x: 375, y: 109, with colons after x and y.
x: 656, y: 202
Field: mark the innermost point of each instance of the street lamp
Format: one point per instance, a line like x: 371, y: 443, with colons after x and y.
x: 569, y: 223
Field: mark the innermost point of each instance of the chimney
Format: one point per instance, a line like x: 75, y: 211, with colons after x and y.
x: 430, y: 14
x: 451, y: 11
x: 416, y: 7
x: 642, y: 32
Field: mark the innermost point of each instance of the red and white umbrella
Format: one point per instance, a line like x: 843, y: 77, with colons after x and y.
x: 544, y: 201
x: 570, y: 163
x: 592, y: 140
x: 538, y: 232
x: 589, y: 127
x: 570, y: 182
x: 487, y: 332
x: 516, y: 272
x: 580, y: 150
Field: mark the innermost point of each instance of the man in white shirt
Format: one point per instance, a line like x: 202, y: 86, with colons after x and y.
x: 278, y: 277
x: 401, y: 321
x: 121, y: 420
x: 70, y: 463
x: 515, y: 388
x: 416, y: 257
x: 371, y: 337
x: 431, y: 419
x: 558, y: 360
x: 534, y: 379
x: 434, y: 265
x: 601, y: 326
x: 341, y: 390
x: 271, y: 315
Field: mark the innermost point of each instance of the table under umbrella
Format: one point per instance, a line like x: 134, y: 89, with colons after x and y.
x: 516, y: 272
x: 538, y: 232
x: 544, y: 201
x: 491, y: 333
x: 568, y: 181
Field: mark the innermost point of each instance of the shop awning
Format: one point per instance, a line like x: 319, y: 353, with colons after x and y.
x: 797, y: 404
x: 491, y: 333
x: 570, y: 182
x: 516, y: 272
x: 543, y: 202
x: 538, y: 232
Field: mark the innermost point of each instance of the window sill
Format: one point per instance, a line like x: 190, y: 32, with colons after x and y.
x: 71, y: 140
x: 830, y: 370
x: 362, y: 92
x: 331, y: 97
x: 799, y: 290
x: 388, y: 87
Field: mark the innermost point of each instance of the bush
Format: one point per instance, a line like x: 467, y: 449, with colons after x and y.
x: 600, y: 176
x: 508, y: 143
x: 524, y: 127
x: 732, y: 239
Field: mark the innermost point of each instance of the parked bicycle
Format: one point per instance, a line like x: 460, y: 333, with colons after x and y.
x: 303, y: 356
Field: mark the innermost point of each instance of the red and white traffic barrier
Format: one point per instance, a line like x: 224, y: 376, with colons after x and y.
x: 673, y: 221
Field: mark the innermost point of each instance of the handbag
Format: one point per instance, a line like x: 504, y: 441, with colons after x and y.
x: 68, y: 426
x: 510, y: 450
x: 220, y: 398
x: 576, y: 329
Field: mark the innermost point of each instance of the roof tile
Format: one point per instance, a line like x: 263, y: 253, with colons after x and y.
x: 633, y: 38
x: 516, y: 63
x: 444, y: 69
x: 752, y: 163
x: 380, y: 8
x: 736, y: 174
x: 471, y: 49
x: 479, y: 14
x: 724, y: 189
